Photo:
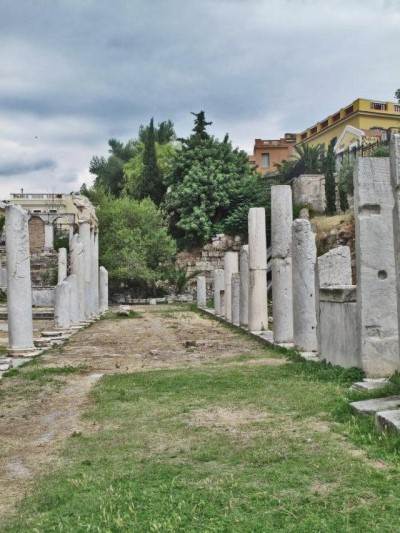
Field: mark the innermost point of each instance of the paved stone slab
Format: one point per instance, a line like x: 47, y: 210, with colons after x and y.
x: 388, y: 421
x: 370, y: 407
x: 369, y: 385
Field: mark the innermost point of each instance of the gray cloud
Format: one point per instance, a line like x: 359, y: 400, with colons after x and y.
x: 76, y: 73
x: 14, y: 168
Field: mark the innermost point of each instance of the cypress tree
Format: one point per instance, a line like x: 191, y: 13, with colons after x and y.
x: 330, y: 187
x: 152, y: 185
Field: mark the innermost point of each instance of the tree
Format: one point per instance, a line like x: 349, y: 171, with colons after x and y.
x: 134, y: 169
x: 397, y: 95
x: 163, y: 134
x: 134, y: 241
x: 152, y: 185
x: 311, y: 158
x: 110, y: 172
x: 330, y: 187
x: 212, y: 186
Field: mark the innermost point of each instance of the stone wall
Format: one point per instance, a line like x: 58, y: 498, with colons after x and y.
x: 207, y: 259
x: 36, y: 234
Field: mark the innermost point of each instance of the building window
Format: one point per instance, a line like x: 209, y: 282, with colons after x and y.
x: 265, y: 160
x: 52, y: 210
x: 396, y: 108
x: 378, y: 106
x: 37, y: 210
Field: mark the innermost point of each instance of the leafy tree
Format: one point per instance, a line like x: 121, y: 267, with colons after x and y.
x: 134, y: 168
x: 345, y: 175
x: 330, y: 186
x: 164, y: 132
x: 110, y: 172
x: 212, y: 187
x: 397, y: 95
x: 134, y: 241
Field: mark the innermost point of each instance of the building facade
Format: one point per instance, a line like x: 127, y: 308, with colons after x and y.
x: 267, y: 153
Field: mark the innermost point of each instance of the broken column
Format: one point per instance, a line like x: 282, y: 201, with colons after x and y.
x: 62, y: 299
x: 19, y: 290
x: 103, y: 290
x: 258, y: 311
x: 395, y: 179
x: 62, y: 264
x: 304, y: 255
x: 235, y: 299
x: 219, y: 285
x: 78, y: 269
x: 72, y: 281
x: 334, y: 267
x: 49, y: 236
x: 84, y: 233
x: 281, y: 242
x: 375, y: 263
x: 244, y: 285
x: 201, y: 292
x: 231, y: 266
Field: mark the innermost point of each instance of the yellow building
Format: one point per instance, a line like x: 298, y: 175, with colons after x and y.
x: 362, y: 115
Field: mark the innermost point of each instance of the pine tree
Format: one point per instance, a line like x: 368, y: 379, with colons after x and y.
x: 200, y: 125
x: 330, y: 187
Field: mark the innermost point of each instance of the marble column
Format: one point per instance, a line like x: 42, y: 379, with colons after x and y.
x: 19, y: 289
x: 281, y: 243
x: 78, y: 269
x: 84, y: 233
x: 62, y: 264
x: 72, y: 281
x: 103, y: 290
x: 94, y: 263
x: 304, y: 256
x: 378, y: 327
x: 49, y: 236
x: 62, y: 299
x: 219, y: 285
x: 236, y: 299
x: 201, y: 292
x: 258, y: 311
x: 231, y: 266
x: 395, y: 181
x: 244, y: 285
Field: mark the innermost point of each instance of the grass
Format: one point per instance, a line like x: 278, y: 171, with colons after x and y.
x: 223, y: 449
x: 119, y: 316
x: 41, y: 373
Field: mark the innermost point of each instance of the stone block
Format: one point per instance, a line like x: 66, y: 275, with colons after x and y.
x: 388, y: 421
x: 370, y: 407
x: 334, y: 267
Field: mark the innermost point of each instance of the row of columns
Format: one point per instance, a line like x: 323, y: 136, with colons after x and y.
x: 80, y: 296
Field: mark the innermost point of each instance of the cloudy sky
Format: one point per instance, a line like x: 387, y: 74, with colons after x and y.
x: 74, y: 73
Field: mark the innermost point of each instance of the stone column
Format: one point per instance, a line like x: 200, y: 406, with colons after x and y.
x: 201, y: 292
x: 231, y: 266
x: 84, y: 233
x: 236, y: 299
x: 95, y: 272
x: 395, y: 179
x: 222, y: 303
x: 49, y: 236
x: 19, y: 292
x: 375, y: 263
x: 258, y: 311
x: 281, y: 242
x: 62, y: 264
x: 244, y: 285
x: 62, y: 299
x: 78, y: 269
x: 219, y: 285
x: 103, y: 292
x: 72, y: 281
x: 304, y: 255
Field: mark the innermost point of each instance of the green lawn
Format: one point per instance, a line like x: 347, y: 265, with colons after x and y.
x: 225, y: 448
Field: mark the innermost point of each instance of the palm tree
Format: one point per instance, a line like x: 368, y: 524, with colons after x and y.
x: 311, y: 158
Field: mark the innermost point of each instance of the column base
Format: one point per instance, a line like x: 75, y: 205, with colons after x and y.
x: 23, y: 352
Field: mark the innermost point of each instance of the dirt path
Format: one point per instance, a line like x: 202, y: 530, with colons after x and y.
x: 37, y: 415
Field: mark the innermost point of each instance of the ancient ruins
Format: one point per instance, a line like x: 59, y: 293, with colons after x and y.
x: 316, y: 307
x: 80, y: 295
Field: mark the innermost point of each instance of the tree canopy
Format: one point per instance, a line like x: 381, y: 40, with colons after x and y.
x: 211, y: 187
x: 134, y: 240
